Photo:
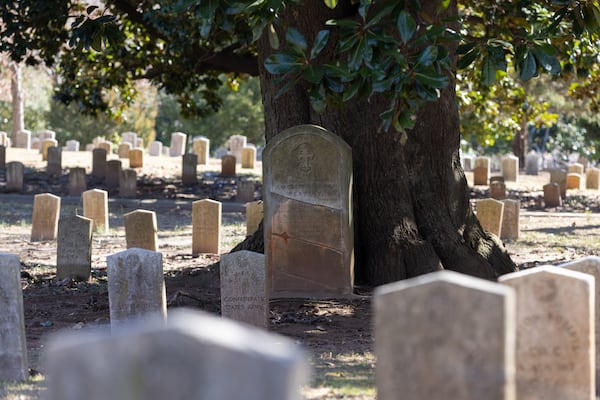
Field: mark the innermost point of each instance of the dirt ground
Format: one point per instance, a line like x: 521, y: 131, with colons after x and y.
x: 336, y: 333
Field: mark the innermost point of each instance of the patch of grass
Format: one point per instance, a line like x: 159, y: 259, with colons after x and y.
x: 346, y: 374
x: 32, y: 389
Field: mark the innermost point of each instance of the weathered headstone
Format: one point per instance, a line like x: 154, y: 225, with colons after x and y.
x: 123, y: 150
x: 54, y: 167
x: 510, y: 220
x: 228, y: 166
x: 139, y: 143
x: 206, y: 226
x: 44, y: 221
x: 245, y: 191
x: 236, y: 144
x: 188, y: 169
x: 532, y: 163
x: 46, y: 144
x: 254, y: 214
x: 467, y: 162
x: 129, y: 137
x: 248, y: 155
x: 72, y: 145
x: 592, y: 178
x: 510, y: 168
x: 47, y: 134
x: 573, y: 181
x: 113, y: 173
x: 220, y: 152
x: 552, y: 197
x: 555, y: 333
x: 201, y: 146
x: 141, y: 230
x: 177, y: 147
x: 243, y: 282
x: 136, y: 286
x: 421, y: 347
x: 575, y: 168
x: 155, y: 149
x: 481, y: 171
x: 35, y: 144
x: 23, y: 140
x: 490, y: 213
x: 15, y: 172
x: 128, y: 183
x: 13, y: 348
x: 560, y: 177
x: 77, y: 181
x: 308, y: 229
x: 95, y: 207
x: 136, y: 158
x: 497, y: 190
x: 99, y: 163
x: 74, y: 248
x: 195, y: 356
x: 591, y: 265
x: 107, y: 146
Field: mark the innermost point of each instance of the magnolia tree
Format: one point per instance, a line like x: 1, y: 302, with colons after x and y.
x: 381, y: 74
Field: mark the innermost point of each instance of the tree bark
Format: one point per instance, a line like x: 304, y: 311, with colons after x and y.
x: 18, y: 116
x: 412, y: 210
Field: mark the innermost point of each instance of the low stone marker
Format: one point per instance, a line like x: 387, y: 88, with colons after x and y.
x: 188, y: 169
x: 128, y: 183
x: 575, y: 168
x: 248, y: 155
x: 220, y: 152
x: 99, y: 163
x: 155, y: 149
x: 107, y: 146
x: 245, y: 191
x: 467, y: 162
x: 77, y: 181
x: 206, y: 226
x: 560, y: 177
x: 244, y: 294
x: 196, y: 356
x: 591, y: 265
x: 510, y: 220
x: 123, y: 150
x: 136, y: 158
x: 236, y: 144
x: 44, y: 221
x: 74, y: 248
x: 552, y: 197
x: 54, y: 166
x: 113, y: 173
x: 141, y: 230
x: 510, y: 168
x: 3, y: 139
x: 592, y: 178
x: 72, y: 145
x: 23, y: 139
x: 228, y: 164
x: 95, y: 207
x: 555, y: 333
x: 201, y: 146
x: 309, y: 245
x: 136, y: 286
x: 573, y: 181
x: 15, y: 172
x: 421, y: 347
x: 481, y: 171
x: 177, y: 147
x: 498, y: 190
x: 490, y: 213
x: 254, y: 214
x: 532, y: 163
x: 13, y: 348
x: 46, y: 144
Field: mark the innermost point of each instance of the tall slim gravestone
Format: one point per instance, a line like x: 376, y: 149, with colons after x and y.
x: 136, y: 286
x: 510, y: 220
x: 421, y: 346
x: 244, y: 291
x: 195, y: 356
x: 46, y: 144
x: 74, y: 248
x: 177, y: 147
x: 99, y: 163
x: 188, y: 169
x: 555, y: 352
x: 560, y: 177
x: 155, y: 149
x: 481, y: 171
x: 206, y: 226
x: 228, y: 165
x: 552, y: 197
x: 54, y: 166
x: 44, y: 221
x: 13, y: 348
x: 236, y: 144
x: 95, y: 207
x: 592, y: 178
x: 308, y: 227
x: 141, y: 230
x: 510, y: 168
x: 490, y: 213
x: 248, y: 155
x: 77, y: 181
x: 15, y: 173
x: 201, y: 146
x: 124, y: 149
x: 113, y: 173
x: 128, y: 183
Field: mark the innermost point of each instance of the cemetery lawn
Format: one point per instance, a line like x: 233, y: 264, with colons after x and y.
x: 336, y: 333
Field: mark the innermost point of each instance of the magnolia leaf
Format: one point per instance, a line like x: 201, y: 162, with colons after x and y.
x: 331, y: 3
x: 406, y: 26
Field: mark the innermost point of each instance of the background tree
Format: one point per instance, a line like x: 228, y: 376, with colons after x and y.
x: 381, y: 74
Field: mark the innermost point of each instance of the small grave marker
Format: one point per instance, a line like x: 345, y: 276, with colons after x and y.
x: 95, y: 207
x: 141, y: 230
x: 206, y: 226
x: 44, y: 222
x: 74, y: 248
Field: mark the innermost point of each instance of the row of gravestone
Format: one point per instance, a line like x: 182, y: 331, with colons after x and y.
x: 74, y: 234
x: 440, y: 336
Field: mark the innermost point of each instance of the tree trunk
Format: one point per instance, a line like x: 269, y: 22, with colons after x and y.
x: 18, y: 116
x: 412, y: 210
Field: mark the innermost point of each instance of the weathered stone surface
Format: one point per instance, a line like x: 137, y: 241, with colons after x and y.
x: 99, y: 163
x: 245, y: 191
x: 177, y: 147
x: 77, y: 181
x: 107, y: 146
x: 54, y: 167
x: 490, y: 213
x: 128, y: 183
x: 201, y: 146
x: 510, y: 220
x: 555, y: 333
x: 188, y: 169
x: 244, y: 294
x: 510, y: 168
x: 481, y: 175
x: 13, y: 348
x: 136, y: 287
x: 129, y: 137
x: 573, y: 181
x: 575, y: 168
x: 592, y: 178
x: 591, y: 265
x: 228, y: 166
x: 23, y: 140
x: 72, y: 145
x: 248, y: 155
x: 421, y: 346
x: 552, y: 197
x: 15, y: 171
x: 113, y: 173
x: 308, y: 229
x: 254, y: 214
x: 2, y: 157
x: 44, y: 221
x: 532, y: 163
x: 95, y: 207
x: 123, y: 150
x: 46, y: 144
x: 74, y: 248
x: 206, y: 226
x: 141, y: 230
x: 467, y: 162
x: 560, y: 177
x: 195, y: 356
x: 497, y: 190
x: 136, y: 158
x: 155, y: 149
x: 236, y: 144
